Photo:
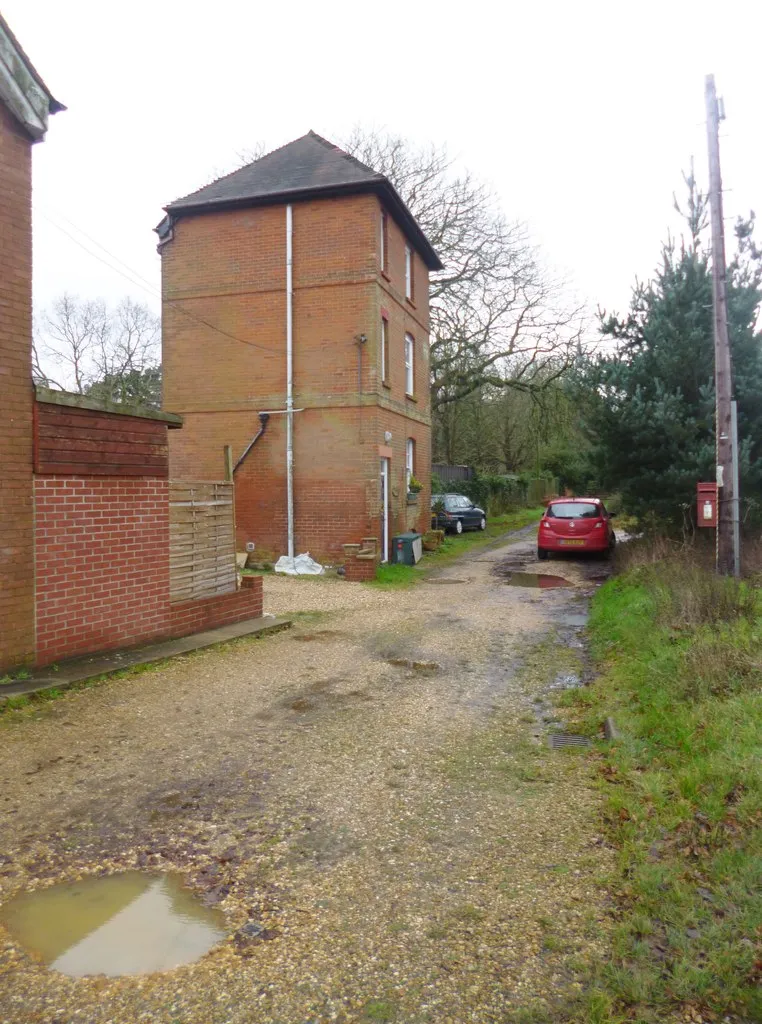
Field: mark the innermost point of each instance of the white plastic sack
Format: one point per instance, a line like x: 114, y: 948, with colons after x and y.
x: 301, y: 565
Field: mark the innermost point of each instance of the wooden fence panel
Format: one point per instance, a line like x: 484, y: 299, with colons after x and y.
x: 452, y: 474
x: 201, y: 540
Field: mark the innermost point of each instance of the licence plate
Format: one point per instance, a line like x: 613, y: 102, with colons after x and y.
x: 577, y: 542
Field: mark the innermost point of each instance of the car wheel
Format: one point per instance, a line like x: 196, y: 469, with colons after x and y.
x: 458, y: 526
x: 542, y: 555
x: 483, y: 523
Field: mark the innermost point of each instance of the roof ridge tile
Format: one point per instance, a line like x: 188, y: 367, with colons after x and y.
x: 307, y: 167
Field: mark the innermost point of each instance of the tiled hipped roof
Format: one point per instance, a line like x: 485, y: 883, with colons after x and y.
x: 308, y: 163
x: 307, y: 168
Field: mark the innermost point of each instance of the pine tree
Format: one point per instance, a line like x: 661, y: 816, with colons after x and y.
x: 648, y: 408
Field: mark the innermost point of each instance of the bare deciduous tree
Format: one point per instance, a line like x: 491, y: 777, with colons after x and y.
x: 243, y: 157
x: 87, y: 347
x: 497, y: 316
x: 501, y: 430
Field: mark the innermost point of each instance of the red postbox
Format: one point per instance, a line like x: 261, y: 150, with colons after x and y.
x: 706, y: 504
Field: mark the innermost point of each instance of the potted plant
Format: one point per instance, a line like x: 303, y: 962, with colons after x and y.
x: 414, y: 485
x: 437, y: 514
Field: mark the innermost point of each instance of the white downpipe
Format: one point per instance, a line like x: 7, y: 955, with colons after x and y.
x: 290, y: 376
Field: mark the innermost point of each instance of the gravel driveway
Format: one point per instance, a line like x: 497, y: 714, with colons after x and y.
x: 370, y: 787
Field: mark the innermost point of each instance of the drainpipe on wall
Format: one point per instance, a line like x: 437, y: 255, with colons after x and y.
x: 360, y: 340
x: 290, y: 377
x: 263, y: 418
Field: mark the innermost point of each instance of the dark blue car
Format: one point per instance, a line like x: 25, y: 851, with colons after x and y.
x: 456, y: 513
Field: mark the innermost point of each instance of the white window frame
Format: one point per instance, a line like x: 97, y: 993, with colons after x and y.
x: 384, y: 348
x: 409, y: 460
x: 409, y: 364
x: 408, y: 273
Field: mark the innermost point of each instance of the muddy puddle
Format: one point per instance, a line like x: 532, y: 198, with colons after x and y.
x: 539, y: 581
x: 131, y: 923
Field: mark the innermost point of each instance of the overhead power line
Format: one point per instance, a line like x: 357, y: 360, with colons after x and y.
x: 140, y: 282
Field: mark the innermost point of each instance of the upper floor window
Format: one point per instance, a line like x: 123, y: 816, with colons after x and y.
x: 409, y: 368
x: 384, y: 243
x: 384, y: 350
x: 408, y: 273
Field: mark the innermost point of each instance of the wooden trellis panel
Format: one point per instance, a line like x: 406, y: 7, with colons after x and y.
x: 201, y: 540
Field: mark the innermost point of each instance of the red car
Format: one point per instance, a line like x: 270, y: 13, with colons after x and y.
x: 575, y: 524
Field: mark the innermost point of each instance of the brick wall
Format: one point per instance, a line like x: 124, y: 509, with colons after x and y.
x: 102, y: 536
x: 16, y: 530
x: 222, y: 610
x: 228, y: 268
x: 417, y: 516
x: 102, y: 563
x: 331, y: 491
x: 103, y: 569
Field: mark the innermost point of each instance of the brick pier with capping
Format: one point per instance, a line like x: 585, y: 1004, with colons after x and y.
x: 360, y: 560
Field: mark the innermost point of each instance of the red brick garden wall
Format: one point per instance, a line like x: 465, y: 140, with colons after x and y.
x: 102, y: 563
x: 223, y: 610
x: 102, y: 539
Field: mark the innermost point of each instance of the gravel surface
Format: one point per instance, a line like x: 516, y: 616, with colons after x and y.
x: 368, y: 787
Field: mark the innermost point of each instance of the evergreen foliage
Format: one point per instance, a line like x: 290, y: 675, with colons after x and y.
x: 132, y: 387
x: 648, y: 407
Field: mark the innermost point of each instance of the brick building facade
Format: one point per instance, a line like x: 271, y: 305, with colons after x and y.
x: 25, y: 105
x: 360, y: 316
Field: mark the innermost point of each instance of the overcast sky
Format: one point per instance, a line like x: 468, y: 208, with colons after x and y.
x: 581, y: 115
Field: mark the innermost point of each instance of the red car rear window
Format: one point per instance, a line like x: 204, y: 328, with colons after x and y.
x: 573, y: 510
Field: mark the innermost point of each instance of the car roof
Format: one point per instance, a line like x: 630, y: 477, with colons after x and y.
x: 566, y: 501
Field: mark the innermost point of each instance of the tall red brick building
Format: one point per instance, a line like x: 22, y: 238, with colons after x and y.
x: 25, y: 105
x: 300, y: 282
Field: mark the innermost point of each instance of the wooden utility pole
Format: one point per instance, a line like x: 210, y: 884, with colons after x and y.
x: 726, y: 455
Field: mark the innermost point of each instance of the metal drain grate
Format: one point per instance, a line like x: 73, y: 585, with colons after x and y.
x: 562, y: 739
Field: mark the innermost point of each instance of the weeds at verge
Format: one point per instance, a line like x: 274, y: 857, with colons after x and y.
x: 680, y: 652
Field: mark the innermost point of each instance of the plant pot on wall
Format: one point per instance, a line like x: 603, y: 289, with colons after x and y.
x: 413, y: 488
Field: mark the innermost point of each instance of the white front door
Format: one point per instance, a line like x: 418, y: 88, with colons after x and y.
x: 384, y: 495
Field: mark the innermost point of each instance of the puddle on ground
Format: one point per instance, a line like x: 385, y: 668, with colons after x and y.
x: 565, y: 681
x: 301, y: 704
x: 445, y: 580
x: 573, y: 619
x: 131, y: 923
x: 541, y: 581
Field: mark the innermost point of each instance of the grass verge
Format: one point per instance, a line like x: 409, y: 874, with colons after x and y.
x: 392, y: 577
x: 680, y: 652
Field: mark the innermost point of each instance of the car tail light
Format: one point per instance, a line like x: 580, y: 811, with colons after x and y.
x: 599, y: 524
